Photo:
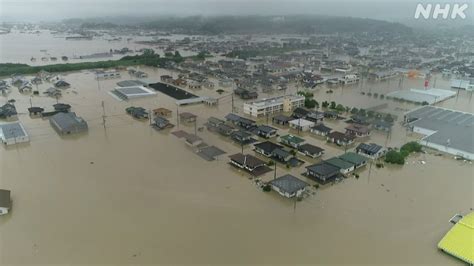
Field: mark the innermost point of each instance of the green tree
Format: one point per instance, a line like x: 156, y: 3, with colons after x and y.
x: 333, y: 105
x: 340, y: 108
x: 394, y: 157
x: 354, y: 111
x: 325, y: 104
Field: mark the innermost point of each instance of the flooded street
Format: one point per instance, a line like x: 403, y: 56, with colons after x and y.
x: 129, y: 194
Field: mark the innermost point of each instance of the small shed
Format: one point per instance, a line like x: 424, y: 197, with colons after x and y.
x: 164, y: 112
x: 187, y: 117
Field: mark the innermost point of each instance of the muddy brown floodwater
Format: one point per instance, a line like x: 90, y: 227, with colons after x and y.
x: 132, y: 195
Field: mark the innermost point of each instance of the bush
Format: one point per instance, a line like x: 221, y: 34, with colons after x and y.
x: 354, y: 111
x: 394, y: 157
x: 425, y: 103
x: 271, y: 163
x: 411, y: 147
x: 267, y: 188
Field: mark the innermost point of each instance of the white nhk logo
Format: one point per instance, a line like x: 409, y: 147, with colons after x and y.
x: 456, y: 10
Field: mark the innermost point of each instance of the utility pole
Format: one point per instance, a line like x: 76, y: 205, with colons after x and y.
x: 31, y: 104
x: 232, y: 102
x: 177, y: 116
x: 275, y: 173
x: 103, y: 115
x: 195, y: 126
x: 98, y: 83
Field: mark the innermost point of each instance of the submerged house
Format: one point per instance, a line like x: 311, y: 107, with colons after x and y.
x: 370, y: 150
x: 292, y: 141
x: 225, y: 130
x: 35, y: 111
x: 343, y: 166
x: 137, y: 112
x: 301, y: 124
x: 160, y: 123
x: 5, y: 201
x: 249, y: 163
x: 62, y: 107
x: 62, y: 84
x: 267, y: 132
x: 241, y: 137
x: 164, y: 112
x: 356, y: 159
x: 240, y: 121
x: 8, y: 111
x: 68, y: 123
x: 322, y: 172
x: 282, y: 120
x: 266, y: 148
x: 288, y: 186
x: 13, y: 133
x: 340, y: 139
x: 321, y: 130
x: 310, y: 150
x: 358, y: 130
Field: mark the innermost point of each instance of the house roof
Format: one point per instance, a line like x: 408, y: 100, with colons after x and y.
x: 300, y: 112
x: 371, y: 148
x: 215, y: 120
x: 67, y: 120
x: 248, y: 160
x: 353, y: 158
x: 191, y: 138
x: 358, y: 128
x: 268, y: 146
x: 266, y: 129
x: 340, y: 136
x: 323, y: 168
x: 289, y: 184
x: 282, y: 118
x: 12, y: 130
x: 5, y: 200
x: 322, y: 128
x: 301, y: 122
x: 459, y: 240
x: 241, y: 134
x: 292, y: 139
x: 281, y: 153
x: 310, y: 148
x: 339, y: 163
x: 187, y: 115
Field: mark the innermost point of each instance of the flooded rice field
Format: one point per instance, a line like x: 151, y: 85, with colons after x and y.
x: 125, y: 193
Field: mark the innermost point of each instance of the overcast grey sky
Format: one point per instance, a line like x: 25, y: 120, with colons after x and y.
x: 35, y: 10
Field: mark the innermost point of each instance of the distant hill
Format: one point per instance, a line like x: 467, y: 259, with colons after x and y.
x: 301, y: 24
x: 275, y: 24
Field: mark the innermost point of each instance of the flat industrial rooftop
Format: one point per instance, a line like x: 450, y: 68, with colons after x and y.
x: 430, y: 96
x: 126, y: 93
x: 450, y: 128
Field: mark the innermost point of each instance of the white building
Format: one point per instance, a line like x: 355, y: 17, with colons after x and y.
x: 301, y: 124
x: 349, y: 79
x: 107, y: 74
x: 13, y: 133
x: 273, y: 105
x: 463, y: 84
